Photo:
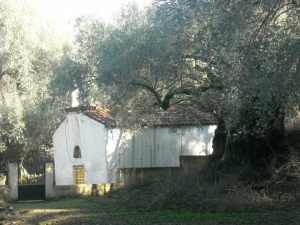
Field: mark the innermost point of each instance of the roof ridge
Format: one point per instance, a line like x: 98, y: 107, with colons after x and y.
x: 102, y: 114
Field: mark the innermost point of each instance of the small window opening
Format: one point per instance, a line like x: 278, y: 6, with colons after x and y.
x: 79, y: 174
x: 77, y: 152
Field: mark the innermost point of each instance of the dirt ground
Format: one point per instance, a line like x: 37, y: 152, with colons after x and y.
x: 109, y: 211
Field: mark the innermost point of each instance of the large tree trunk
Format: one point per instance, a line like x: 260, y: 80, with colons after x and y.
x: 219, y: 141
x: 243, y: 146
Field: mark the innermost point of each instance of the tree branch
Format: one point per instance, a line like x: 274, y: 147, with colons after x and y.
x: 149, y: 88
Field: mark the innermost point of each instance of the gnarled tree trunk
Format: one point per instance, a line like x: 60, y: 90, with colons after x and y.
x: 244, y: 146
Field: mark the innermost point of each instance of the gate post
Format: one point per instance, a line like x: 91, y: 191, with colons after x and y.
x: 13, y: 180
x: 49, y: 180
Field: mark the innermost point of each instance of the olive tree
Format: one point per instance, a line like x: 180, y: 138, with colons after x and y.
x: 28, y: 50
x: 137, y: 63
x: 238, y: 60
x: 251, y: 47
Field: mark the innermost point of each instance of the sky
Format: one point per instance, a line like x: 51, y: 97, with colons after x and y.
x: 63, y: 11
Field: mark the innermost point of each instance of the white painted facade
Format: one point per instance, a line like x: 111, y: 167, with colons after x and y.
x: 79, y: 130
x: 104, y: 150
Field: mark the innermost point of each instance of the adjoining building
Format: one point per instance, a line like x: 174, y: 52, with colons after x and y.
x: 90, y: 149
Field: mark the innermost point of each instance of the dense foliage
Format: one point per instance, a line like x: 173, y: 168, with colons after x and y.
x: 28, y: 50
x: 238, y: 60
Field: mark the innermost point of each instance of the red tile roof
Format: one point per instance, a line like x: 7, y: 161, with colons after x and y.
x: 171, y: 117
x: 160, y: 118
x: 101, y: 114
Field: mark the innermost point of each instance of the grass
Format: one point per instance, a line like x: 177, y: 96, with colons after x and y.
x: 140, y: 210
x: 229, y: 202
x: 104, y: 210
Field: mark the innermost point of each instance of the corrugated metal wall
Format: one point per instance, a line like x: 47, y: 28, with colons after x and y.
x: 156, y: 147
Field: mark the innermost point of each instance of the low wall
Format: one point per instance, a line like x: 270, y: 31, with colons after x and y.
x: 9, y: 193
x: 188, y: 163
x: 146, y: 175
x: 53, y: 191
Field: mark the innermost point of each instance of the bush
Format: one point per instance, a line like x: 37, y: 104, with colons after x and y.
x: 293, y: 137
x: 203, y: 190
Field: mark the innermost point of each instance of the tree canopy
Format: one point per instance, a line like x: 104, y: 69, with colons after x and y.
x: 238, y: 60
x: 28, y: 50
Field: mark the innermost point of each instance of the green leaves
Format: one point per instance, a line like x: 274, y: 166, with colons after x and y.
x: 28, y: 50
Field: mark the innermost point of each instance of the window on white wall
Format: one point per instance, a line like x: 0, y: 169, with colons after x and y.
x: 77, y: 152
x: 79, y: 174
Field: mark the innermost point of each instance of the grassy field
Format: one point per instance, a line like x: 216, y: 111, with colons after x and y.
x: 104, y: 210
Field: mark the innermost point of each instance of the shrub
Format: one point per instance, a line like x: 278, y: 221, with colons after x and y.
x: 202, y: 190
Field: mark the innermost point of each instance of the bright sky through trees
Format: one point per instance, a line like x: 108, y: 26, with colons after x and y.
x: 62, y: 11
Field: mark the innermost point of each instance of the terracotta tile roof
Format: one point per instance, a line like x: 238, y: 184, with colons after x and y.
x: 98, y: 113
x: 171, y: 117
x: 160, y: 118
x: 101, y: 114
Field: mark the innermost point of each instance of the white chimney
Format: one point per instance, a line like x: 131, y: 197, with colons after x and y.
x: 75, y: 98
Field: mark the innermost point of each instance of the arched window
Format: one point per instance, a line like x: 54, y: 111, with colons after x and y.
x: 77, y: 152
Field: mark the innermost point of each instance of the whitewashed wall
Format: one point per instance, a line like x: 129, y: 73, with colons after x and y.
x: 105, y: 150
x: 197, y: 141
x: 89, y: 135
x: 116, y: 142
